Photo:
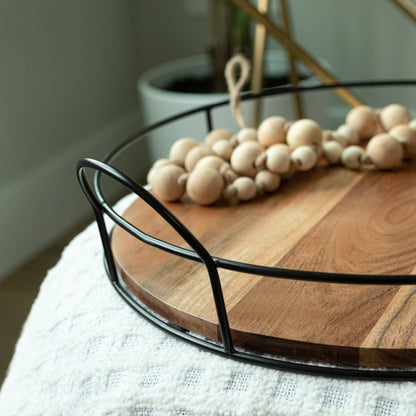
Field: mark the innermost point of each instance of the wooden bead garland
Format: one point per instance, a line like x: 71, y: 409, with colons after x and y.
x: 230, y: 168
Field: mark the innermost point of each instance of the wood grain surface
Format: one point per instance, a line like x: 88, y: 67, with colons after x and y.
x: 330, y: 220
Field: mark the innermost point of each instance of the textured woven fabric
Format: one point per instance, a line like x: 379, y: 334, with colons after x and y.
x: 83, y: 351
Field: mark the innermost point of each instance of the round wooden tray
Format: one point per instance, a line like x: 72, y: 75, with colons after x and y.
x: 328, y: 220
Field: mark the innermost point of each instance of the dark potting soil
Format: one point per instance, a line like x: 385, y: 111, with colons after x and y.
x: 205, y: 85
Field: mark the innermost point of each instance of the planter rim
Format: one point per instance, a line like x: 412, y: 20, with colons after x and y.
x: 168, y: 70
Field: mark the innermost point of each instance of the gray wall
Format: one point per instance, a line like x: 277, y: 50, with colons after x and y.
x: 68, y: 73
x: 361, y: 39
x: 168, y: 30
x: 67, y: 79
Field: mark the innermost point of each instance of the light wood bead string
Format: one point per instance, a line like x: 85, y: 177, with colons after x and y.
x: 233, y: 168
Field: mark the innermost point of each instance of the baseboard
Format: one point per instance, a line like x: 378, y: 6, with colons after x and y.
x: 38, y: 208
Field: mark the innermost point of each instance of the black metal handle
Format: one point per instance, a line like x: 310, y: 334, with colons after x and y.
x: 100, y: 207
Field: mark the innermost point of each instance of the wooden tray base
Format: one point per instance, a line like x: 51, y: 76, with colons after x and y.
x: 328, y: 220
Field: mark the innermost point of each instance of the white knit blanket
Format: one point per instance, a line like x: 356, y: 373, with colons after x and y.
x: 83, y: 351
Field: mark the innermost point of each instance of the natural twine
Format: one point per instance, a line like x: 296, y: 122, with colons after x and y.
x: 235, y: 86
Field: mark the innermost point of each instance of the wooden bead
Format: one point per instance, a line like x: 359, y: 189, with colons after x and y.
x: 223, y: 148
x: 160, y: 162
x: 243, y: 158
x: 229, y: 195
x: 364, y: 120
x: 291, y: 172
x: 352, y: 157
x: 393, y: 115
x: 217, y: 134
x: 277, y: 159
x: 349, y: 134
x: 210, y: 161
x: 219, y: 164
x: 407, y: 137
x: 272, y: 130
x: 267, y: 181
x: 166, y: 182
x: 247, y: 134
x: 304, y: 132
x: 150, y: 174
x: 260, y: 162
x: 385, y: 151
x: 327, y: 135
x: 227, y: 173
x: 332, y: 151
x: 195, y: 154
x: 246, y: 188
x: 283, y: 146
x: 157, y: 164
x: 340, y: 139
x: 304, y: 158
x: 180, y: 149
x: 204, y: 186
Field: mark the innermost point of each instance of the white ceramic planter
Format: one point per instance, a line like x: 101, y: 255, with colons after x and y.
x: 157, y: 103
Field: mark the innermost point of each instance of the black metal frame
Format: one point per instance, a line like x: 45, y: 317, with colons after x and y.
x: 199, y: 254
